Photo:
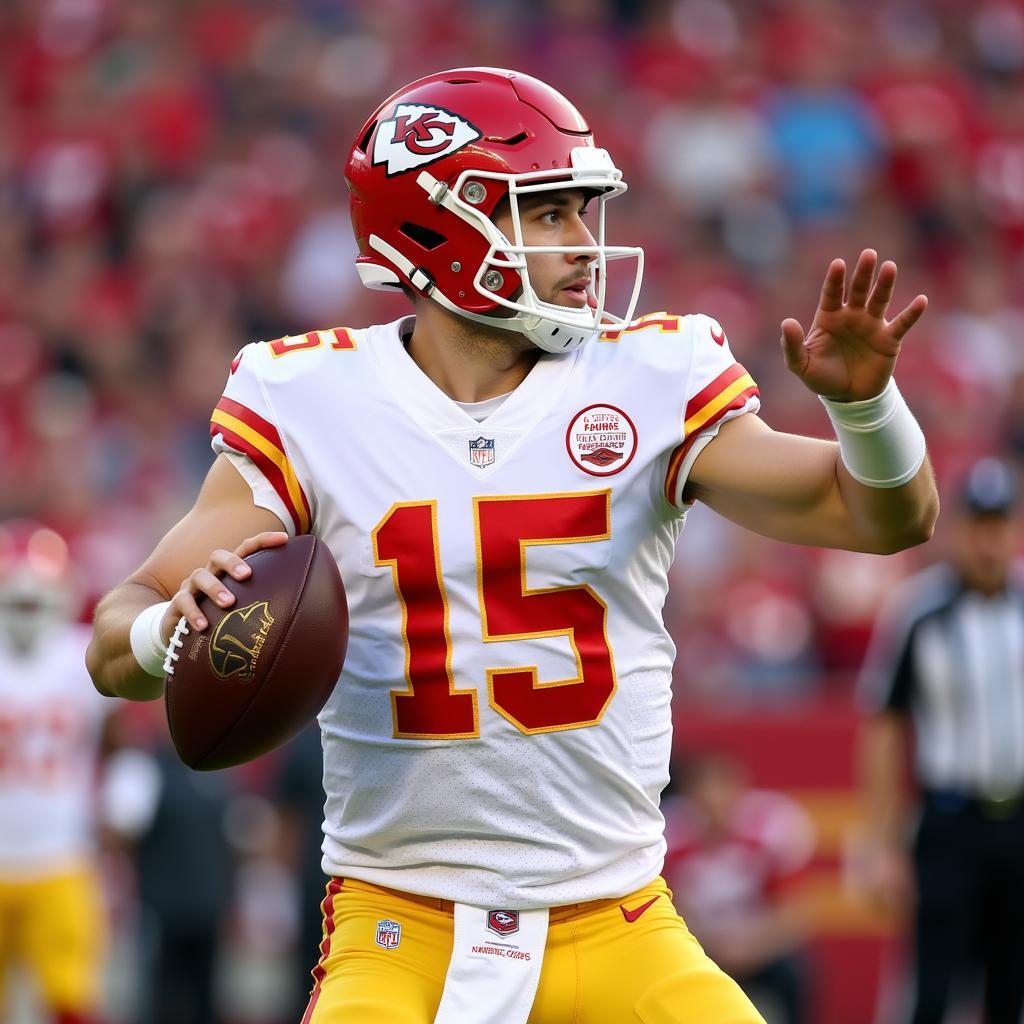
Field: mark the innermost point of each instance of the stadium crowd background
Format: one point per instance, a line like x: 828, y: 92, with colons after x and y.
x: 171, y: 188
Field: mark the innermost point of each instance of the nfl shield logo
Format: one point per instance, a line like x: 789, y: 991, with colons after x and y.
x: 503, y: 922
x: 389, y: 934
x: 481, y: 451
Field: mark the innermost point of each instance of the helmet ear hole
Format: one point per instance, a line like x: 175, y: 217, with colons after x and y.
x: 425, y: 238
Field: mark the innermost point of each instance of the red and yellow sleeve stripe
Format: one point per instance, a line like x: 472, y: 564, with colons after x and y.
x: 730, y: 390
x: 249, y: 433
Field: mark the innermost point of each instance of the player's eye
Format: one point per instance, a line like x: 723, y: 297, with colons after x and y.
x: 553, y: 214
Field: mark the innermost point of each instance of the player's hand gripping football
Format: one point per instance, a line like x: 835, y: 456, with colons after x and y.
x: 206, y: 580
x: 850, y: 351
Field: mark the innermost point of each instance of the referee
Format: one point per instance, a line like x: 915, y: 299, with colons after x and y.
x: 945, y: 678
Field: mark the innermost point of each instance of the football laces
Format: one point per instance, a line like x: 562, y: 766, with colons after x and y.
x: 175, y: 644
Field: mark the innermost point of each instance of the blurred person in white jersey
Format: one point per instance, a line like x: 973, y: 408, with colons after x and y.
x: 502, y: 476
x: 52, y: 724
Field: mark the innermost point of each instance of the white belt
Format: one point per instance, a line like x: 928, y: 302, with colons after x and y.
x: 495, y: 966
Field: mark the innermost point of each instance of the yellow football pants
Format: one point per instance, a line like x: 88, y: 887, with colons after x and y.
x: 599, y: 967
x: 54, y: 928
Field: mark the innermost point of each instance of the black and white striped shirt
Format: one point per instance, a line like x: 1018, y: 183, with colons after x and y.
x: 953, y: 658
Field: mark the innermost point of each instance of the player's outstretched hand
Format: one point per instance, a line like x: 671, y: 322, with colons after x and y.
x: 850, y: 351
x: 206, y: 580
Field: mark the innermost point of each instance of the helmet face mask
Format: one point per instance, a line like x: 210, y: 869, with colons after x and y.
x: 427, y: 219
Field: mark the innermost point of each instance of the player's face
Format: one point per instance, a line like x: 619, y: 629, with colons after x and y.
x: 555, y: 218
x: 27, y: 618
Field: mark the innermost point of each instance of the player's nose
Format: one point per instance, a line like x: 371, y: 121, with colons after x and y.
x: 579, y: 235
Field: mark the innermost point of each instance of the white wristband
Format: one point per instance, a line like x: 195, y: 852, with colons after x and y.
x: 147, y: 645
x: 879, y: 439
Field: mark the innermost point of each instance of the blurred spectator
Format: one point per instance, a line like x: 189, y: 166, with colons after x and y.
x: 827, y: 140
x: 749, y: 633
x: 174, y: 821
x: 945, y: 678
x: 52, y: 726
x: 734, y: 857
x: 846, y: 589
x: 708, y: 149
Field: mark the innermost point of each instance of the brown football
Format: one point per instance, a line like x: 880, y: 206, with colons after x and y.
x: 264, y: 667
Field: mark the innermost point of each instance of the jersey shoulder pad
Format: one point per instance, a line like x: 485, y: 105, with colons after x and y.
x: 691, y: 334
x: 300, y: 355
x: 714, y: 367
x: 646, y: 326
x: 245, y: 427
x: 708, y: 340
x: 657, y: 340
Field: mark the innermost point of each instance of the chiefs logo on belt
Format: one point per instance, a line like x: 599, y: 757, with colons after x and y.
x: 417, y: 135
x: 503, y: 922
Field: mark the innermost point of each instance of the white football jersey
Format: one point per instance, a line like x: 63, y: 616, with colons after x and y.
x: 500, y: 733
x: 51, y: 720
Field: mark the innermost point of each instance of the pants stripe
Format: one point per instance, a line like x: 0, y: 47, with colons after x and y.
x: 327, y: 909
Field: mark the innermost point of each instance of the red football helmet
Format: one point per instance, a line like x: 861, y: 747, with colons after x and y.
x: 427, y: 173
x: 37, y: 585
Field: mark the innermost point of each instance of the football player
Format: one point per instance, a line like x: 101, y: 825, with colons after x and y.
x: 502, y: 476
x: 51, y: 729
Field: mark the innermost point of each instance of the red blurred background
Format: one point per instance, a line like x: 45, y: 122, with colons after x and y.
x: 171, y: 188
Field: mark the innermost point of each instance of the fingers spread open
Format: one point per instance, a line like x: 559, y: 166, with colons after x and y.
x: 792, y: 342
x: 881, y: 294
x: 860, y: 282
x: 909, y: 316
x: 832, y: 288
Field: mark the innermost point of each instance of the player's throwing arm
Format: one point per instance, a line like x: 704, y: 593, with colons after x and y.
x: 134, y: 622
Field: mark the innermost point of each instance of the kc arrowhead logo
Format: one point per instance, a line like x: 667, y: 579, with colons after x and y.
x: 418, y: 135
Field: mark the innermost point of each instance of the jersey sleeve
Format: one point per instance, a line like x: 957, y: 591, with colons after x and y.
x: 243, y: 428
x: 718, y: 389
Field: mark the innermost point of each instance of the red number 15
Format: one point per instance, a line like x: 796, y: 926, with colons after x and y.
x: 431, y: 706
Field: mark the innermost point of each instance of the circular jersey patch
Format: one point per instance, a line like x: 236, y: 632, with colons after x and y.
x: 601, y: 440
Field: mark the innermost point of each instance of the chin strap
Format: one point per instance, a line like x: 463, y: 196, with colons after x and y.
x: 552, y: 337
